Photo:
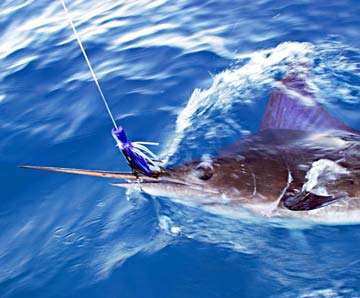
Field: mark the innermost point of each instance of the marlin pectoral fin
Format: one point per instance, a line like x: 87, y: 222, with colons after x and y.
x: 95, y: 173
x: 307, y: 201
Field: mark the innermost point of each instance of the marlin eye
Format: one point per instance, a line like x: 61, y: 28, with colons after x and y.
x: 204, y: 171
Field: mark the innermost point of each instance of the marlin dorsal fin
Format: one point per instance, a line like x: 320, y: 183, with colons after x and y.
x: 292, y: 106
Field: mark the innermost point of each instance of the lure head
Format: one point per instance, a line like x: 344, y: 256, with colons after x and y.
x: 137, y: 160
x: 120, y: 135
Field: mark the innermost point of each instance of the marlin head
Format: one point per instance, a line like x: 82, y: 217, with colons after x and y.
x: 193, y: 180
x: 199, y: 182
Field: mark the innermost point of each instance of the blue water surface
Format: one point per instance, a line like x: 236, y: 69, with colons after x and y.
x: 193, y: 76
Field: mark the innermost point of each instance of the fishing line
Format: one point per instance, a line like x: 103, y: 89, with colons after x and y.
x: 88, y: 63
x: 140, y: 159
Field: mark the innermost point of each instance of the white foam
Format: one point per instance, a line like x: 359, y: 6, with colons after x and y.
x: 167, y: 225
x: 232, y: 86
x: 322, y: 172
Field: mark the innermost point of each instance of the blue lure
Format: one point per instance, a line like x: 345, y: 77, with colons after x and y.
x: 139, y: 157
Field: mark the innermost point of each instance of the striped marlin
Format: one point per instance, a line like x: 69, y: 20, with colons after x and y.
x: 302, y: 163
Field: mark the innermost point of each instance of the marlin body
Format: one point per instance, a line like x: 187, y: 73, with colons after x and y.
x: 302, y: 163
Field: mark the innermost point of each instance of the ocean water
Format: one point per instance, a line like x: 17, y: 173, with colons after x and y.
x: 193, y: 76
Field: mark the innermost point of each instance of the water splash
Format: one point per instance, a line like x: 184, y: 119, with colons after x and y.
x: 211, y: 111
x: 321, y: 173
x: 211, y: 116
